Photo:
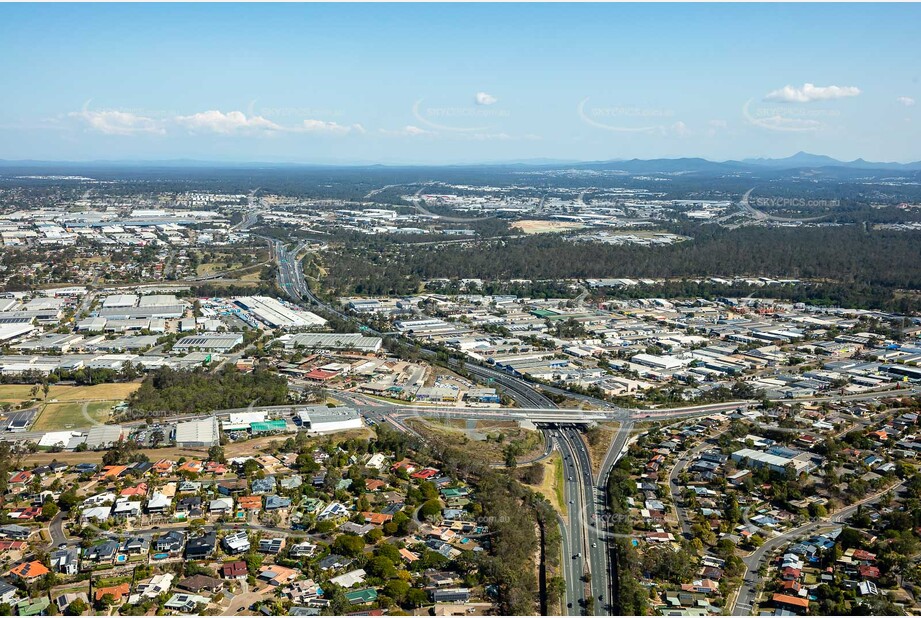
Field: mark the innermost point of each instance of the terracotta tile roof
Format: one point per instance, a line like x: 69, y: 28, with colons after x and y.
x: 30, y: 570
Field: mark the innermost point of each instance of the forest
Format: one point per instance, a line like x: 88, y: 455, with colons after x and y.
x: 849, y: 264
x: 199, y: 391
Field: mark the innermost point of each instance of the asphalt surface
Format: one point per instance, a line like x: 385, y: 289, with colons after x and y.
x: 585, y: 505
x: 674, y: 487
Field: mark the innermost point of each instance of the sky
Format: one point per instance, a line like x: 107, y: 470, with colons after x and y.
x: 458, y: 83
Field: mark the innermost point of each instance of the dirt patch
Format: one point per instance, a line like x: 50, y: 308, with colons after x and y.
x: 98, y: 392
x: 546, y: 227
x: 498, y: 436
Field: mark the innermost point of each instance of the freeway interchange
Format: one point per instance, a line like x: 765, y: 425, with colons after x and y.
x: 585, y: 540
x: 587, y: 565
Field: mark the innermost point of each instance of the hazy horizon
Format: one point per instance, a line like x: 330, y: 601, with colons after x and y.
x: 448, y: 84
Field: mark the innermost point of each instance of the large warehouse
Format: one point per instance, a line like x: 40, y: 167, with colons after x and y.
x: 320, y: 419
x: 198, y: 433
x: 219, y: 343
x: 274, y: 314
x: 331, y: 341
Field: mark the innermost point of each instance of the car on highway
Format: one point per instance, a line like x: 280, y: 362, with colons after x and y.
x: 594, y: 544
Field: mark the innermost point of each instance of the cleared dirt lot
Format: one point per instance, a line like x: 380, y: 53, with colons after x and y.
x: 546, y: 227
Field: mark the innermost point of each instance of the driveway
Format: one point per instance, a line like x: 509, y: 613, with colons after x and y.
x: 245, y: 599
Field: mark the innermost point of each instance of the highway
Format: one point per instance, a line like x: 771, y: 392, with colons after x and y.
x: 574, y: 562
x: 584, y: 538
x: 585, y: 506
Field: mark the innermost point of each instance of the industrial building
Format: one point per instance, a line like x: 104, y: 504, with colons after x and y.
x: 331, y: 341
x: 320, y: 419
x: 801, y: 462
x: 274, y: 314
x: 220, y: 343
x: 199, y: 433
x: 102, y: 436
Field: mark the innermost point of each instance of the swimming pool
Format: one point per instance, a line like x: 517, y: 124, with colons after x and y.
x: 160, y: 556
x: 121, y: 558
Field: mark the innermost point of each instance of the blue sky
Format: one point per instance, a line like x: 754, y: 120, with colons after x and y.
x: 415, y: 83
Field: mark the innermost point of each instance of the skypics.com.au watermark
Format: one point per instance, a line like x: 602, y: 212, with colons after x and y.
x: 624, y: 118
x: 481, y: 116
x: 792, y: 202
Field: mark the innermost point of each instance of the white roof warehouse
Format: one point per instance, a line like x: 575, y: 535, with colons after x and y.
x: 209, y: 343
x: 271, y: 312
x: 331, y: 341
x: 203, y: 432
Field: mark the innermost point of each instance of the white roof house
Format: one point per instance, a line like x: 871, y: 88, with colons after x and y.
x: 352, y: 578
x: 158, y: 502
x: 96, y: 513
x: 236, y: 543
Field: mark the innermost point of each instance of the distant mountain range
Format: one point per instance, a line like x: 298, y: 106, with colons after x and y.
x: 799, y: 161
x: 804, y: 159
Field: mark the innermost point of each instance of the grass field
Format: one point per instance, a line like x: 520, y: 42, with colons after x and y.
x: 597, y: 451
x: 99, y: 392
x: 15, y: 393
x: 63, y: 416
x: 455, y: 431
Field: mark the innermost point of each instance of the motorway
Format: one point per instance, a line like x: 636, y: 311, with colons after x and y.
x: 574, y: 567
x: 584, y: 538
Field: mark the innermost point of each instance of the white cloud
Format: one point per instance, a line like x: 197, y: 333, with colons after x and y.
x: 113, y: 122
x: 680, y: 129
x: 334, y: 128
x: 811, y: 92
x: 407, y: 131
x: 215, y: 121
x: 906, y: 101
x: 483, y: 98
